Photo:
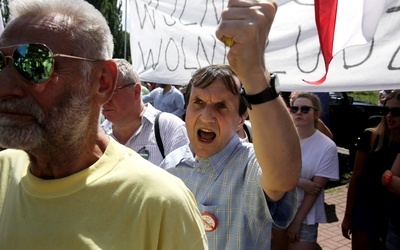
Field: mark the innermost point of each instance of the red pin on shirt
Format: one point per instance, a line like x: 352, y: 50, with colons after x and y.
x: 210, y: 222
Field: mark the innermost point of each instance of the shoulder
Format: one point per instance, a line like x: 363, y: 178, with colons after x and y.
x: 168, y: 118
x: 176, y: 156
x: 320, y: 143
x: 325, y: 139
x: 150, y: 113
x: 156, y: 91
x: 364, y: 141
x: 176, y: 90
x: 141, y: 175
x: 12, y: 163
x: 12, y: 157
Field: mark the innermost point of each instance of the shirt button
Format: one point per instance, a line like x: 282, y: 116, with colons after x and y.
x: 198, y: 170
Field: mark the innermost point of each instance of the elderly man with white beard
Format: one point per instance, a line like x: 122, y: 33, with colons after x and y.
x: 65, y: 184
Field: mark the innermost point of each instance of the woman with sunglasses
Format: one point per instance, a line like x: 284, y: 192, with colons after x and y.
x: 321, y: 125
x: 367, y: 199
x: 319, y: 165
x: 391, y: 180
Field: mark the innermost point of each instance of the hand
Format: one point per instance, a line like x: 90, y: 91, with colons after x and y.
x: 310, y: 187
x: 248, y: 22
x: 293, y: 231
x: 346, y: 225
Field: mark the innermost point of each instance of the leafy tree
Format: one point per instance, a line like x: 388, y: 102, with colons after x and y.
x: 4, y: 11
x: 111, y: 10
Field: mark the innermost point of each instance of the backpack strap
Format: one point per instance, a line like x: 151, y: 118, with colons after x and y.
x: 246, y: 130
x: 158, y: 136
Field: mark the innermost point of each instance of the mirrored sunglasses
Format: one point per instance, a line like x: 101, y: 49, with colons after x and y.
x: 303, y: 109
x: 393, y: 111
x: 34, y: 61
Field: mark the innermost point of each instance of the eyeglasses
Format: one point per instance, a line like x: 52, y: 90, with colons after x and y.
x: 303, y: 109
x: 116, y: 90
x: 34, y: 61
x: 393, y: 111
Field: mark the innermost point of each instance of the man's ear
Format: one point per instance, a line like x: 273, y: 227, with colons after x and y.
x: 106, y: 75
x: 138, y: 90
x: 242, y: 119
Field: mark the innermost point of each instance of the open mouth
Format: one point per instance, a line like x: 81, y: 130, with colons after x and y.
x: 206, y: 135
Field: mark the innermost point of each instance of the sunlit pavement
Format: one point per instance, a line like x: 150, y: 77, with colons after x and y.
x: 330, y: 234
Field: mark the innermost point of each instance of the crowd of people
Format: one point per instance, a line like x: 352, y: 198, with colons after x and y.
x: 93, y: 159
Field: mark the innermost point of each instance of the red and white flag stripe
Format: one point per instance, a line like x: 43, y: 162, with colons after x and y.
x: 344, y: 23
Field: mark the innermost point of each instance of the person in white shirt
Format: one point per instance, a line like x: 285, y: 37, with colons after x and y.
x: 319, y: 165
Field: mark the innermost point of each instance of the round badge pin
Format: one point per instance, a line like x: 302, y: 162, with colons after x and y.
x: 210, y: 222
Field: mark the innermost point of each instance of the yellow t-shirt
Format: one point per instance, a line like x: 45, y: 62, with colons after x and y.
x: 120, y: 202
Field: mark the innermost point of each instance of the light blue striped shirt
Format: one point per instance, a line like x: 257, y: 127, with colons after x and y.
x: 228, y: 186
x: 172, y: 102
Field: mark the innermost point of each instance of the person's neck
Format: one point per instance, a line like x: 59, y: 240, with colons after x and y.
x: 167, y: 89
x: 305, y: 132
x: 62, y: 162
x: 124, y: 130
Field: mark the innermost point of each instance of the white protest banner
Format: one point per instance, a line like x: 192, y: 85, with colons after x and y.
x: 171, y: 39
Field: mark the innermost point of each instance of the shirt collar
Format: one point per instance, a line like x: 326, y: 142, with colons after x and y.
x: 150, y: 113
x: 222, y: 158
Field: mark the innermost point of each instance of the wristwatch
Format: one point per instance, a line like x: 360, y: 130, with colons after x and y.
x: 268, y: 94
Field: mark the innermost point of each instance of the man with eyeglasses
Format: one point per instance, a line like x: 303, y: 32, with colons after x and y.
x: 65, y: 184
x: 135, y: 124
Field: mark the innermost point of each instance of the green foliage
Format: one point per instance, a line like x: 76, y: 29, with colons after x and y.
x: 4, y: 11
x: 367, y: 96
x: 111, y: 9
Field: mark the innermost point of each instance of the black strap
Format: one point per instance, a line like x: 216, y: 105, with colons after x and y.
x: 158, y: 136
x: 246, y: 130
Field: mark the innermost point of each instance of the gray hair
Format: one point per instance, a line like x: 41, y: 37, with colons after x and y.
x: 87, y: 29
x: 126, y: 71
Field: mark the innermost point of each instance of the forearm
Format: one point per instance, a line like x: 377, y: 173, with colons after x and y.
x: 304, y: 183
x: 275, y: 140
x: 305, y: 207
x: 351, y: 196
x: 147, y: 98
x: 310, y: 187
x: 356, y: 178
x: 277, y: 147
